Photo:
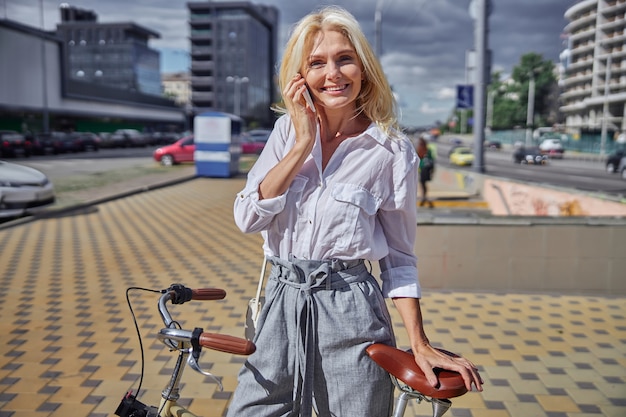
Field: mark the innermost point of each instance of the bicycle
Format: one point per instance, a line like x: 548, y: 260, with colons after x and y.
x: 400, y: 365
x: 188, y: 344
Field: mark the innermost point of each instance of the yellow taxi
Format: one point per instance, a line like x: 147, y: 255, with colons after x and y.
x: 462, y: 156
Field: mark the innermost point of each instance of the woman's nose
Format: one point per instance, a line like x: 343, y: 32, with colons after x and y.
x: 332, y: 71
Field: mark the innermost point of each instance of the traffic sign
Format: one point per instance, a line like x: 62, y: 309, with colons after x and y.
x: 464, y: 96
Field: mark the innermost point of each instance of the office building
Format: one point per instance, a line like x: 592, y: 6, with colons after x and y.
x: 233, y: 58
x: 36, y: 93
x: 111, y: 54
x: 593, y: 94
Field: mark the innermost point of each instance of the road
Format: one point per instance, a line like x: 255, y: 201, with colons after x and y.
x: 584, y: 175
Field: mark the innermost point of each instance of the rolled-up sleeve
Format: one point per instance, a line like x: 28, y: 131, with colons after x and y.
x: 398, y: 219
x: 253, y: 215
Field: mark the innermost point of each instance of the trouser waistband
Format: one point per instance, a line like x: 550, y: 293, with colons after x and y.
x: 303, y: 271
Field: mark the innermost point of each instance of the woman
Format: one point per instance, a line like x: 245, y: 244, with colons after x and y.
x: 335, y: 186
x: 426, y: 169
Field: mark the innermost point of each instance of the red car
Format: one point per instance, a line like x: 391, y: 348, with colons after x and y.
x: 180, y: 151
x: 254, y: 141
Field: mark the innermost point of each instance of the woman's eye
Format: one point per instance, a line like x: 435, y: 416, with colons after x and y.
x: 316, y: 64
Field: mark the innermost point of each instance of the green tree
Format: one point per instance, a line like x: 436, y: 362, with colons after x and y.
x: 510, y: 96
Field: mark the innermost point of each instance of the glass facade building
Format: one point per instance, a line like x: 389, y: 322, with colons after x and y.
x: 111, y: 54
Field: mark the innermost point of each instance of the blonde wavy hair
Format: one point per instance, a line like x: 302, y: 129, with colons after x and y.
x: 376, y: 100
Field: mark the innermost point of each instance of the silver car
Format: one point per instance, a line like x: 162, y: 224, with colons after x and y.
x: 23, y: 190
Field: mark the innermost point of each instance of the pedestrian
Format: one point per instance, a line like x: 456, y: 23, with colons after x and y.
x: 334, y: 189
x: 426, y: 169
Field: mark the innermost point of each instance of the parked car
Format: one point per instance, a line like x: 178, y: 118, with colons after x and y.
x: 529, y: 156
x: 70, y: 143
x: 462, y: 156
x: 163, y: 138
x: 180, y: 151
x: 552, y: 147
x: 254, y: 141
x: 14, y: 144
x: 48, y: 143
x: 613, y: 160
x: 24, y: 190
x: 126, y: 138
x: 90, y: 141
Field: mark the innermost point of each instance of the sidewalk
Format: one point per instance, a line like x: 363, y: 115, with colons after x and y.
x: 71, y: 349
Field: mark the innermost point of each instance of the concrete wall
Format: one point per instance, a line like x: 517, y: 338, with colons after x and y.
x: 536, y: 239
x: 569, y: 258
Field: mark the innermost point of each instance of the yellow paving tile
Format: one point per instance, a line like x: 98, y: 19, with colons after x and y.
x: 559, y: 403
x: 74, y: 321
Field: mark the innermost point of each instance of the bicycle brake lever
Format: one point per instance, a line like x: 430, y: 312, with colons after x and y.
x: 193, y: 363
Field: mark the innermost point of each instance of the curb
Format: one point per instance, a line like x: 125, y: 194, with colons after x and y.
x: 50, y: 213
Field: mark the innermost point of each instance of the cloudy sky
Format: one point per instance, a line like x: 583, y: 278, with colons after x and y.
x: 424, y: 42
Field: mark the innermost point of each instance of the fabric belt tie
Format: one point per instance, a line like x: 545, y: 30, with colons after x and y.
x: 311, y: 276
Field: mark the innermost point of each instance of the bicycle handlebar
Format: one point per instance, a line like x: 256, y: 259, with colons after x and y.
x: 179, y: 294
x: 220, y: 342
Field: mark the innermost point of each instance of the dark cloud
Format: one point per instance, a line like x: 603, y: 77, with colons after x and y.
x: 424, y: 41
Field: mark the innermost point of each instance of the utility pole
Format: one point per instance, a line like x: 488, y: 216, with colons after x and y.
x: 605, y: 107
x: 45, y: 115
x: 378, y: 23
x: 480, y: 83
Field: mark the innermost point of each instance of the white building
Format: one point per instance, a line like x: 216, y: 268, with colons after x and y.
x: 177, y: 85
x: 594, y: 82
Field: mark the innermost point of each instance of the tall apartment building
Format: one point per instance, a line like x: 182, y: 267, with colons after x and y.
x: 111, y: 54
x: 233, y: 56
x: 595, y: 67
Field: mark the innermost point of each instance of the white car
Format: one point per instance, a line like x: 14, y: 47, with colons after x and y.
x: 552, y: 147
x: 23, y: 190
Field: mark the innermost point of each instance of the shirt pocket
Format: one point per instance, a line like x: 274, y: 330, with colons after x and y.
x: 354, y: 210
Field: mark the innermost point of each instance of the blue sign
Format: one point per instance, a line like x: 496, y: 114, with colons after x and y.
x: 464, y: 96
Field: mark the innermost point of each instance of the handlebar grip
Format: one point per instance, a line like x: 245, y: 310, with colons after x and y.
x: 208, y: 294
x: 228, y: 344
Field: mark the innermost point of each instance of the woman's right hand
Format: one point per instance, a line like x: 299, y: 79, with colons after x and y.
x: 302, y: 116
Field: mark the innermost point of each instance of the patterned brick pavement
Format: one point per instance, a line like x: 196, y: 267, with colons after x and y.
x: 70, y: 346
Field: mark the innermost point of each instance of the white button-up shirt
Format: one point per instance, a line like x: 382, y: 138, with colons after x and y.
x: 361, y: 206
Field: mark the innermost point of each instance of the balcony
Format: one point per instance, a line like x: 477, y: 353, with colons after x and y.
x: 201, y: 34
x: 202, y: 65
x: 579, y: 22
x: 202, y: 96
x: 201, y: 51
x: 578, y: 78
x: 202, y: 81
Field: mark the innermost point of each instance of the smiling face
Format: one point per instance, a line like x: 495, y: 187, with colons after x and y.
x: 333, y: 72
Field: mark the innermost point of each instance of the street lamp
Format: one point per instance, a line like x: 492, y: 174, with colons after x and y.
x: 237, y: 81
x: 378, y: 21
x: 45, y: 114
x: 605, y: 106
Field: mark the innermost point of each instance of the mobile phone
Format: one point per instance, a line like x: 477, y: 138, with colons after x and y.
x: 308, y: 99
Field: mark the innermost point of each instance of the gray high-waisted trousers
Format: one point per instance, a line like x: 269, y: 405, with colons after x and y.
x: 318, y: 318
